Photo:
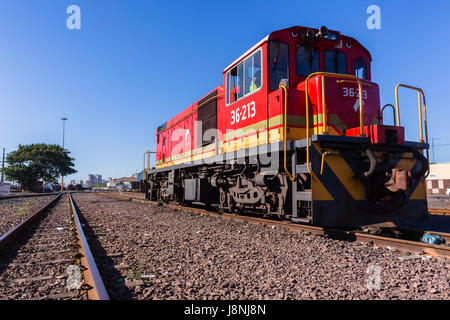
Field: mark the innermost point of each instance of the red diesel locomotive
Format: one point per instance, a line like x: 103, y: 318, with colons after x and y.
x: 296, y: 131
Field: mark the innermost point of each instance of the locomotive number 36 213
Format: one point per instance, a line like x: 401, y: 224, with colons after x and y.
x: 354, y: 92
x: 248, y: 111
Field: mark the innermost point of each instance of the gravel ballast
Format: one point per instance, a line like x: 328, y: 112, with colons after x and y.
x: 35, y: 264
x: 14, y: 211
x: 155, y: 252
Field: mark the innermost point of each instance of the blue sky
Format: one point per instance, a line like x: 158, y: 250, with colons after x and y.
x: 135, y: 64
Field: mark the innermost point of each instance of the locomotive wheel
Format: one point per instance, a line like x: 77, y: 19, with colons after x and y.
x: 223, y: 198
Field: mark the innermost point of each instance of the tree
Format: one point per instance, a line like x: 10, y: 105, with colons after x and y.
x: 31, y: 163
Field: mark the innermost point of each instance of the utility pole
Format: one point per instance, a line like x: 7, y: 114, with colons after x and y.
x: 432, y: 146
x: 3, y: 162
x: 64, y: 127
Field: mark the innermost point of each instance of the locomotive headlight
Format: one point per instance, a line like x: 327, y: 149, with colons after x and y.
x: 333, y: 36
x: 310, y: 35
x: 328, y: 35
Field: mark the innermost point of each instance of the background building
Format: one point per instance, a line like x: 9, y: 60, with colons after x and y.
x: 87, y: 185
x: 438, y: 182
x: 4, y: 188
x: 94, y: 179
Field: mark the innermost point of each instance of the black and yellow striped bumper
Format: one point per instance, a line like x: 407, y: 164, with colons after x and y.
x: 342, y: 196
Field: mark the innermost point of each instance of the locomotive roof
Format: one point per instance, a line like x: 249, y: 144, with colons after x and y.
x: 274, y: 34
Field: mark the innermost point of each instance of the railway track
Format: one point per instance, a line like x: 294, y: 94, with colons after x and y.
x: 47, y: 257
x: 411, y: 243
x: 27, y: 195
x: 442, y: 212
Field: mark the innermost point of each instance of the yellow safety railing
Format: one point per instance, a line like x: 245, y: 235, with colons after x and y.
x: 422, y: 110
x: 324, y: 110
x: 393, y: 112
x: 146, y: 169
x: 284, y: 88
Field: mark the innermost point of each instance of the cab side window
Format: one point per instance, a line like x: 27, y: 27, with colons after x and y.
x: 335, y: 61
x: 245, y: 78
x: 278, y: 63
x: 240, y: 81
x: 361, y: 68
x: 234, y: 88
x: 252, y: 67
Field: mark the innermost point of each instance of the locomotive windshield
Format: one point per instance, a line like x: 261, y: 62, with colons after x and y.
x: 361, y: 68
x: 335, y: 61
x: 308, y: 59
x: 278, y: 63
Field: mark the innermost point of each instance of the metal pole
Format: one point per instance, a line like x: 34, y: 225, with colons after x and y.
x: 3, y: 162
x: 432, y: 146
x: 64, y: 129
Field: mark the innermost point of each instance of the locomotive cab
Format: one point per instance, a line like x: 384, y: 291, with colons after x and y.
x: 290, y: 56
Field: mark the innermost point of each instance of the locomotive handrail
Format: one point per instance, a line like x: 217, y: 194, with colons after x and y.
x: 144, y: 169
x: 422, y: 109
x: 393, y: 112
x: 420, y: 97
x: 324, y: 120
x: 283, y: 86
x: 365, y: 84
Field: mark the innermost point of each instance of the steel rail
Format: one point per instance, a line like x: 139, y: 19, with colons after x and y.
x: 91, y: 274
x: 443, y: 235
x: 420, y: 233
x: 401, y: 244
x: 15, y: 231
x: 19, y: 196
x: 442, y: 212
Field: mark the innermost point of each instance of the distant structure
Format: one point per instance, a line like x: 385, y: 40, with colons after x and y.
x: 438, y: 181
x: 94, y: 179
x: 124, y: 183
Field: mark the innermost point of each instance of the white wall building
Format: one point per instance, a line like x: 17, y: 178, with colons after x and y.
x: 87, y: 185
x: 4, y: 188
x: 438, y: 181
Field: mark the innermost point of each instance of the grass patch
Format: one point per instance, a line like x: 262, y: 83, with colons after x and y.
x: 24, y: 209
x: 136, y: 270
x: 135, y: 273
